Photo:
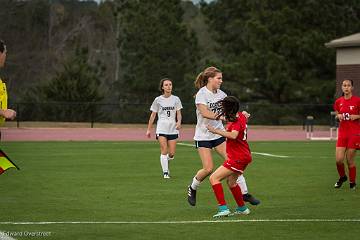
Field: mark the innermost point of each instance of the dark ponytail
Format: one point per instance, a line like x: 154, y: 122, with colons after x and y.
x: 2, y: 46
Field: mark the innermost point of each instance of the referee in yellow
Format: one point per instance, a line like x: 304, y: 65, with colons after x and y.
x: 5, y: 113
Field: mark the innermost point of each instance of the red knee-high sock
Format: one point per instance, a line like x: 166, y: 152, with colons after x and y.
x: 219, y: 193
x: 341, y: 169
x: 352, y: 174
x: 236, y: 192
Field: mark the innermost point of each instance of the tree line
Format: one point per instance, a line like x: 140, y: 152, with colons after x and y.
x: 270, y: 51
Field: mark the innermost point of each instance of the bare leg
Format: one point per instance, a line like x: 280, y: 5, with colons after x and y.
x: 163, y: 155
x: 340, y: 153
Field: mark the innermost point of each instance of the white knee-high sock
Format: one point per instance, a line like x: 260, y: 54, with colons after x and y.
x: 195, y: 183
x: 242, y: 184
x: 164, y: 163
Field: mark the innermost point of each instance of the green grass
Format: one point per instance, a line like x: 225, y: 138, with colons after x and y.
x: 122, y: 181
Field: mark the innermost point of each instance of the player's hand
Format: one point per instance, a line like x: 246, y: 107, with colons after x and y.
x: 148, y: 133
x: 178, y: 126
x: 9, y: 114
x: 220, y: 117
x: 340, y: 117
x: 246, y: 114
x: 211, y: 129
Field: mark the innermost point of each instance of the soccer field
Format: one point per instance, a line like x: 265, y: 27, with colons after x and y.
x: 115, y: 190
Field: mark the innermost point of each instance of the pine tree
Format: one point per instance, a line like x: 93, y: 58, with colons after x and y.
x: 71, y: 94
x: 154, y: 43
x: 274, y: 51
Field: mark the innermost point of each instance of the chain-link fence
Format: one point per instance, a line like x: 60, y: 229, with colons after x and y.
x: 261, y: 114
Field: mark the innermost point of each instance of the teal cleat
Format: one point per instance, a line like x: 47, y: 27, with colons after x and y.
x: 241, y: 211
x: 223, y: 212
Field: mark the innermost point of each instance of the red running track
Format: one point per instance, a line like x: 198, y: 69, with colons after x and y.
x: 137, y: 134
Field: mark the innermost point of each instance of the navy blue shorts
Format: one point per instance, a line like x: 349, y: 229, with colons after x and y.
x: 210, y: 144
x: 168, y: 136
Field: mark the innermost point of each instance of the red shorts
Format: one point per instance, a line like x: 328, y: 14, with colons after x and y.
x: 350, y: 141
x: 237, y: 166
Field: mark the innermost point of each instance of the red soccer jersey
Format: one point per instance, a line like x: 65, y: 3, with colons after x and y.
x: 238, y: 149
x: 348, y: 107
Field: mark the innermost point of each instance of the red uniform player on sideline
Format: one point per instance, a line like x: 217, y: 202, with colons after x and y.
x: 347, y: 110
x: 238, y: 157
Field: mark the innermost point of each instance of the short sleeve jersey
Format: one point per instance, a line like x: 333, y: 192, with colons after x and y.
x: 238, y: 149
x: 166, y: 108
x: 212, y: 101
x: 348, y: 107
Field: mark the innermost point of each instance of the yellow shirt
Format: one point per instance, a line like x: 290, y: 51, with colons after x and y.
x: 3, y: 99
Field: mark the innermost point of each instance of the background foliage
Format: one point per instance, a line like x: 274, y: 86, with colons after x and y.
x: 271, y: 52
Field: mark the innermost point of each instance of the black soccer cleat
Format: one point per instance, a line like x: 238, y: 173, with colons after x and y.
x: 340, y: 182
x: 250, y: 199
x: 191, y: 196
x: 352, y: 186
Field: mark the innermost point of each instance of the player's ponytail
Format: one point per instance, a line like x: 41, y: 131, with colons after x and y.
x: 202, y: 78
x: 2, y: 46
x: 200, y: 81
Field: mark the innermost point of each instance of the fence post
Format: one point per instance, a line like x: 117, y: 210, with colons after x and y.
x: 92, y: 114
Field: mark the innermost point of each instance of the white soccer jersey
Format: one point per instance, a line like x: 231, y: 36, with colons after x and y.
x: 166, y: 111
x: 211, y: 100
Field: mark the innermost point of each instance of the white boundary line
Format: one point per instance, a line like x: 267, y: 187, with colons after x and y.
x: 270, y: 155
x: 258, y: 153
x: 184, y: 222
x: 185, y: 144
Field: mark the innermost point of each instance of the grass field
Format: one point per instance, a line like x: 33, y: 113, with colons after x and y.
x: 115, y: 190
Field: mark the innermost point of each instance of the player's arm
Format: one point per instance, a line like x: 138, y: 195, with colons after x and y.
x: 8, y: 113
x: 339, y: 116
x: 151, y: 122
x: 354, y: 117
x: 179, y: 118
x: 231, y: 135
x: 206, y: 113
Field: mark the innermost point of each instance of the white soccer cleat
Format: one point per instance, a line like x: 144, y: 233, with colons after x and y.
x: 222, y: 213
x: 242, y: 211
x: 166, y: 175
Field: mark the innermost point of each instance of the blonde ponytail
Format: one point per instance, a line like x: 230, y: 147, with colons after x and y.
x: 202, y: 78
